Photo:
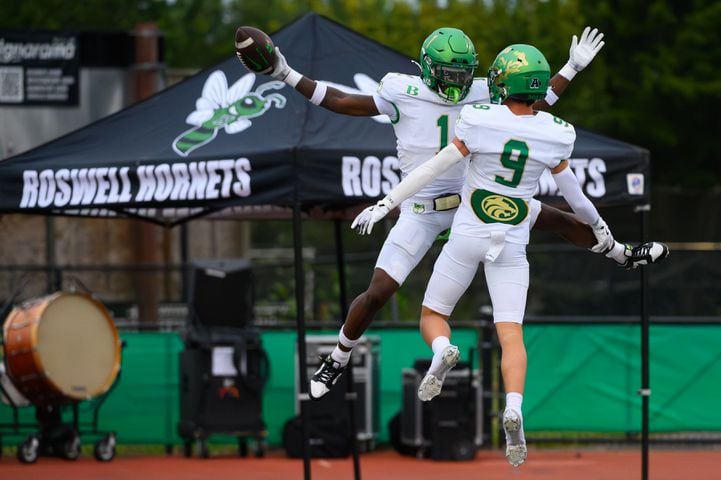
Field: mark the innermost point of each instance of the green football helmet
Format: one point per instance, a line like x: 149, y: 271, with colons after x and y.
x: 448, y: 60
x: 520, y: 72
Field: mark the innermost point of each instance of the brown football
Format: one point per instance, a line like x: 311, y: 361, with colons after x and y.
x: 255, y: 49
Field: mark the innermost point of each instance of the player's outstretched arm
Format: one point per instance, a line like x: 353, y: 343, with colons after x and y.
x: 320, y: 94
x: 414, y: 181
x: 566, y: 225
x: 573, y: 230
x: 624, y: 255
x: 582, y: 207
x: 580, y: 55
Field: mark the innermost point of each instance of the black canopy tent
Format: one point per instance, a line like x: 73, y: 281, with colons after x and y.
x: 231, y: 143
x: 224, y: 140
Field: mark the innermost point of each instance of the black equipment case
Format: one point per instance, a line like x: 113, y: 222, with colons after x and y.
x: 450, y: 426
x: 330, y: 429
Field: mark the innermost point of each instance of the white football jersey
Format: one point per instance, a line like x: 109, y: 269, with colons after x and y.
x: 424, y: 123
x: 508, y: 155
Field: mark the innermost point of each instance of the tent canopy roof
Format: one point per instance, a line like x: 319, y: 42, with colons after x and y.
x: 227, y: 141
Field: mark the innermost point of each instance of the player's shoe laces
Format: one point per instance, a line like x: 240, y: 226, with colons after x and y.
x: 645, y: 254
x: 516, y: 451
x: 325, y: 377
x: 433, y: 381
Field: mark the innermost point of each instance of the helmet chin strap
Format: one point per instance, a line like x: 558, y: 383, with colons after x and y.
x: 417, y: 65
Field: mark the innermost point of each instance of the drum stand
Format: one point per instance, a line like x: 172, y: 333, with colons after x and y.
x: 55, y: 437
x: 15, y: 427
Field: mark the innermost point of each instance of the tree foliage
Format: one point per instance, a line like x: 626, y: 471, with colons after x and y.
x: 655, y: 84
x: 661, y: 84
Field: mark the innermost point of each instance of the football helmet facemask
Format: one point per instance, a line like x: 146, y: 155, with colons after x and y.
x: 448, y: 61
x: 520, y: 72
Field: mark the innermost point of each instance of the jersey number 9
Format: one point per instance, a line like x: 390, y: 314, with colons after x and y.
x: 513, y: 158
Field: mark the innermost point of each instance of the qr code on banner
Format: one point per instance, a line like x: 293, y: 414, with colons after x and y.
x: 11, y: 84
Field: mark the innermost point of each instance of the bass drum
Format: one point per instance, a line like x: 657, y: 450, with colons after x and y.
x: 61, y: 348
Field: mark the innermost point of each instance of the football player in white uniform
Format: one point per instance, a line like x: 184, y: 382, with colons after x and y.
x: 510, y: 145
x: 423, y: 110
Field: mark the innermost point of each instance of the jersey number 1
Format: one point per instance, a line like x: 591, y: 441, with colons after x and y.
x: 513, y: 158
x: 443, y: 125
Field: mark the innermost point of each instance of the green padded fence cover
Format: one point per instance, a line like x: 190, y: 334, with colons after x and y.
x: 580, y: 378
x: 586, y: 378
x: 143, y: 406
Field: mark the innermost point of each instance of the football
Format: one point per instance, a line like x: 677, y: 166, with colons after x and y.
x: 255, y: 49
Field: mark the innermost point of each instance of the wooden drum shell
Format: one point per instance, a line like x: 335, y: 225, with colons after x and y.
x: 25, y: 364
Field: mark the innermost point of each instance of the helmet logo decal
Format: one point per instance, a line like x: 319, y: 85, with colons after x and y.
x: 512, y: 66
x: 228, y: 108
x: 535, y: 83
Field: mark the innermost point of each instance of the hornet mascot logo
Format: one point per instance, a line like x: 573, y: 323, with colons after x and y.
x: 228, y: 108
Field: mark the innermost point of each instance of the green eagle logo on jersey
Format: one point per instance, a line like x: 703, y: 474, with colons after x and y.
x: 496, y: 208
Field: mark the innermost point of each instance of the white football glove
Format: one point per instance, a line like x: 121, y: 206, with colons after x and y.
x: 603, y: 236
x: 583, y: 51
x: 281, y: 69
x: 364, y: 221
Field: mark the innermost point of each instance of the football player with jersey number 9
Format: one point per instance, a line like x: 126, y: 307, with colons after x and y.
x: 423, y: 111
x: 510, y: 145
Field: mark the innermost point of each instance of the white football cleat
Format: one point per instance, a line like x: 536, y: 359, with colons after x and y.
x: 645, y: 254
x: 432, y: 383
x: 516, y: 451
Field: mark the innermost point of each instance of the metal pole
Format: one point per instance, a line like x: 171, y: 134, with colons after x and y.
x: 340, y: 259
x: 54, y: 281
x: 300, y: 327
x: 645, y: 390
x: 486, y: 353
x: 185, y: 291
x: 145, y: 242
x: 350, y: 391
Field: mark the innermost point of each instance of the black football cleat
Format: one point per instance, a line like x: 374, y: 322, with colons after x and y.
x: 325, y: 377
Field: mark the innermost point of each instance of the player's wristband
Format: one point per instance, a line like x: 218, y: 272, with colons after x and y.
x: 568, y: 72
x: 318, y: 93
x: 551, y: 96
x: 293, y: 78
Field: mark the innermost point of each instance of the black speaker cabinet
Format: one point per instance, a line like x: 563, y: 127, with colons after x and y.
x: 449, y: 427
x: 221, y: 390
x: 221, y: 294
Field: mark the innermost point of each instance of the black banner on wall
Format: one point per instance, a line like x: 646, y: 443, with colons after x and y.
x: 39, y: 68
